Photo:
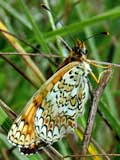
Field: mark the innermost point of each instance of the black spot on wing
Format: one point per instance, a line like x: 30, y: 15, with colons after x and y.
x: 35, y: 149
x: 28, y: 150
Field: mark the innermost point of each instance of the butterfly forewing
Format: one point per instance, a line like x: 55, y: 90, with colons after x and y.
x: 41, y: 119
x: 60, y: 107
x: 22, y: 132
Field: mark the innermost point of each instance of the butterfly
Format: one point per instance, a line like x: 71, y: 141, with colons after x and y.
x: 52, y: 111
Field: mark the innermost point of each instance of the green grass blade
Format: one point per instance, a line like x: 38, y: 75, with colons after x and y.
x: 114, y: 123
x: 8, y: 7
x: 38, y: 34
x: 77, y: 27
x: 5, y: 122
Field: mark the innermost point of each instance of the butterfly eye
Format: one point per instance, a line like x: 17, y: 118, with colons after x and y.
x: 86, y: 51
x: 77, y: 50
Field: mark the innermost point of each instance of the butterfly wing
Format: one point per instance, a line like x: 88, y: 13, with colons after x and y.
x: 22, y: 132
x: 59, y: 108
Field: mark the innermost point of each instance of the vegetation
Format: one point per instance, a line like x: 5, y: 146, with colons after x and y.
x: 41, y: 28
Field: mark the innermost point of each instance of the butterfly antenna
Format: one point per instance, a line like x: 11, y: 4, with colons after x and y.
x: 97, y: 34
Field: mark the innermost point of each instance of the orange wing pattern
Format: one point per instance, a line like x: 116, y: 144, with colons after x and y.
x: 22, y: 132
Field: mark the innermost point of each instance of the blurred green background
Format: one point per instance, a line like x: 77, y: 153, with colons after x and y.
x: 71, y: 20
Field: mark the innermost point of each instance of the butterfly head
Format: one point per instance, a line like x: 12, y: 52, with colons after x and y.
x: 79, y: 52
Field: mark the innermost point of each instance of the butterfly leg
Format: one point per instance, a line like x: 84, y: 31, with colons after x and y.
x: 99, y: 77
x: 99, y: 66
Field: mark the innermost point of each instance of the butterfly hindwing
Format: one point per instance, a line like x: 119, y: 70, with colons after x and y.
x: 22, y: 132
x: 63, y: 102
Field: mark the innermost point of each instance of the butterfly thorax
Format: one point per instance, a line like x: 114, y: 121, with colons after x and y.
x: 78, y: 53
